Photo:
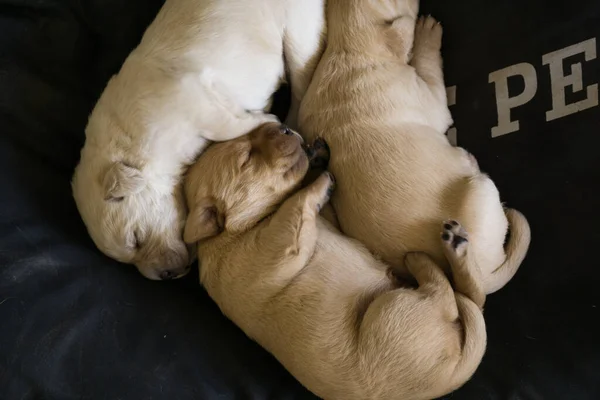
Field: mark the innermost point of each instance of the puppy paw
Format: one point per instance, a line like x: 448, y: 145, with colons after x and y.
x: 332, y: 184
x: 318, y: 154
x: 454, y: 238
x: 428, y: 33
x: 322, y: 189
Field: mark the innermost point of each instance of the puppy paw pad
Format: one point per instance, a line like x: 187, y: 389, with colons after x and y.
x: 454, y: 236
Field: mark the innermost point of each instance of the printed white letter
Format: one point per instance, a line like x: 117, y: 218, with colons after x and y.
x: 504, y: 103
x: 560, y: 81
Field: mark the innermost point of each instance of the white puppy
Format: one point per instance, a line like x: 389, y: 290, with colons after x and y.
x: 205, y: 70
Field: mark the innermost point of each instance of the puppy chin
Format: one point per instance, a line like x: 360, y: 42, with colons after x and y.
x: 301, y: 166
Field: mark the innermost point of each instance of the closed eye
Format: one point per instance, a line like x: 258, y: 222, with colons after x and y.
x: 115, y: 199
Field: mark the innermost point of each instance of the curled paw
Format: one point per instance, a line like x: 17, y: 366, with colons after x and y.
x: 454, y: 237
x: 331, y: 185
x: 325, y: 183
x: 318, y: 153
x: 428, y: 32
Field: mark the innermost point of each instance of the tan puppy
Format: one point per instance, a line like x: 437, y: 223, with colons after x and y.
x: 317, y: 300
x: 383, y: 112
x: 204, y: 71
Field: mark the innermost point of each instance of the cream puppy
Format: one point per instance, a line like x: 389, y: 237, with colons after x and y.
x: 378, y: 99
x: 205, y: 70
x: 317, y: 300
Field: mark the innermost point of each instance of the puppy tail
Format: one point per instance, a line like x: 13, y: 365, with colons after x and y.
x: 474, y: 341
x: 516, y: 250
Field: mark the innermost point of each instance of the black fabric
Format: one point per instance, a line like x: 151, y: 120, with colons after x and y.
x: 77, y: 325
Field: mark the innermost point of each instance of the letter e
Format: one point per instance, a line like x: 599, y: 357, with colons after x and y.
x: 560, y: 81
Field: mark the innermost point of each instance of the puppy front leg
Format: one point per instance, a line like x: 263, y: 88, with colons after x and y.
x: 291, y: 234
x: 227, y: 126
x: 427, y: 56
x: 222, y: 118
x: 328, y: 213
x: 319, y: 154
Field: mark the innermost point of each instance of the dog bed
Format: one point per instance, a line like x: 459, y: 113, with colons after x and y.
x: 523, y: 83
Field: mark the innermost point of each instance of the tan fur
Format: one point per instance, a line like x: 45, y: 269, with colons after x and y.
x: 205, y: 70
x: 379, y: 101
x: 316, y: 299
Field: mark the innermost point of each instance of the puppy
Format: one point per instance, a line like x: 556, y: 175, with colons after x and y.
x: 378, y: 99
x: 205, y: 70
x: 317, y: 300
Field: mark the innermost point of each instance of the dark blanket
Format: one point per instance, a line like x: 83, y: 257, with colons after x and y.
x: 77, y: 325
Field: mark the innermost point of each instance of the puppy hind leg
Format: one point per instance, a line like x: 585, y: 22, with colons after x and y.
x: 482, y: 214
x: 432, y: 280
x: 465, y: 272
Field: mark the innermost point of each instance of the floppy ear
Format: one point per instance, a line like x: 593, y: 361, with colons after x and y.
x: 203, y: 221
x: 122, y: 180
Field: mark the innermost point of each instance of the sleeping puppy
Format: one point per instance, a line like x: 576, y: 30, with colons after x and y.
x: 205, y: 70
x: 378, y: 99
x: 317, y: 300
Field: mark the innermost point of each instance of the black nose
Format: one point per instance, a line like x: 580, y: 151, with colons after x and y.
x: 285, y: 130
x: 167, y: 275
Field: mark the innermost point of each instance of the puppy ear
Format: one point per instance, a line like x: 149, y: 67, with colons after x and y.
x: 203, y: 221
x: 122, y: 180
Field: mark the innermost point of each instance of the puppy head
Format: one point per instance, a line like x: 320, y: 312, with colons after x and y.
x: 133, y: 217
x: 371, y: 11
x: 391, y: 9
x: 235, y: 184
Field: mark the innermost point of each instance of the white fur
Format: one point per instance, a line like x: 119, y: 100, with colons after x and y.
x: 205, y: 70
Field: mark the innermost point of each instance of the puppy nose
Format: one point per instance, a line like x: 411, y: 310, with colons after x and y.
x: 167, y: 275
x: 285, y: 130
